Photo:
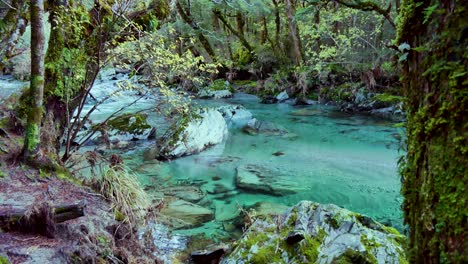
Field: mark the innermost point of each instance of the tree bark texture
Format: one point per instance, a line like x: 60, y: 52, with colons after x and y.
x: 433, y: 37
x: 32, y: 138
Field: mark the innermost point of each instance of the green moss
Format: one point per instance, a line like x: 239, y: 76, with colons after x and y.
x: 388, y: 98
x: 255, y: 238
x: 119, y: 216
x: 350, y: 257
x: 370, y: 245
x: 129, y: 123
x: 4, y: 260
x: 309, y: 247
x: 267, y: 254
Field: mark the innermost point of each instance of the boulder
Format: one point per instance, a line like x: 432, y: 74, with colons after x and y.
x: 192, y: 214
x: 283, y: 96
x: 235, y: 114
x: 313, y: 233
x: 256, y: 178
x: 255, y: 127
x: 207, y: 130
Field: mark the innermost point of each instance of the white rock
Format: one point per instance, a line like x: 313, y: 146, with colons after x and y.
x: 283, y: 96
x: 208, y: 130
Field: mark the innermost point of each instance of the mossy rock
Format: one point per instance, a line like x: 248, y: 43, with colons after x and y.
x: 130, y: 123
x: 221, y: 84
x: 4, y: 260
x: 388, y: 98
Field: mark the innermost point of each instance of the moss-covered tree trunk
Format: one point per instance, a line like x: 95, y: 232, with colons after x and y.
x: 435, y: 171
x: 32, y: 138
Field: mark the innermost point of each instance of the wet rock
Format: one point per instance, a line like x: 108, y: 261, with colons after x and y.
x: 188, y: 193
x: 207, y: 94
x: 194, y: 215
x: 391, y: 113
x: 235, y: 114
x: 207, y: 256
x: 331, y: 235
x: 255, y: 178
x: 167, y: 244
x: 255, y: 127
x: 208, y: 130
x: 283, y: 96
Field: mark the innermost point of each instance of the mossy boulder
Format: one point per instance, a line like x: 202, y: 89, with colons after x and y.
x: 217, y: 89
x: 329, y: 234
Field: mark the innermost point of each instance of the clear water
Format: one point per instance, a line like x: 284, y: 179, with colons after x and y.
x: 336, y: 158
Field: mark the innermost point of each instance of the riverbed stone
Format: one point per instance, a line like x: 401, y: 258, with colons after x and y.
x: 200, y: 133
x: 190, y: 213
x: 255, y: 127
x: 257, y: 178
x: 331, y: 235
x: 188, y: 193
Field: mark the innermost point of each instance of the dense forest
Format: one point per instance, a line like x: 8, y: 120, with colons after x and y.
x: 233, y: 131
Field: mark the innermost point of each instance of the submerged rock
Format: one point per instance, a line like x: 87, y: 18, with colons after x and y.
x: 192, y: 214
x: 330, y: 235
x: 256, y: 178
x: 208, y: 130
x: 189, y: 193
x: 255, y: 127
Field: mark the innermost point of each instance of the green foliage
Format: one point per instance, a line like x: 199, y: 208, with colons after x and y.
x: 220, y: 84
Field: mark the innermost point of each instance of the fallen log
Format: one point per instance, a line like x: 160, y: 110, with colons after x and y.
x: 40, y: 218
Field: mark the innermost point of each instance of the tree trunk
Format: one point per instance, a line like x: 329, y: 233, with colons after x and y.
x: 239, y: 35
x: 32, y: 135
x: 203, y: 40
x: 294, y: 33
x: 434, y: 172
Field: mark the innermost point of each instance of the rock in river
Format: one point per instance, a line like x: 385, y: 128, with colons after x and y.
x: 330, y: 235
x: 235, y: 114
x: 255, y: 127
x: 192, y: 214
x: 256, y: 178
x: 208, y: 130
